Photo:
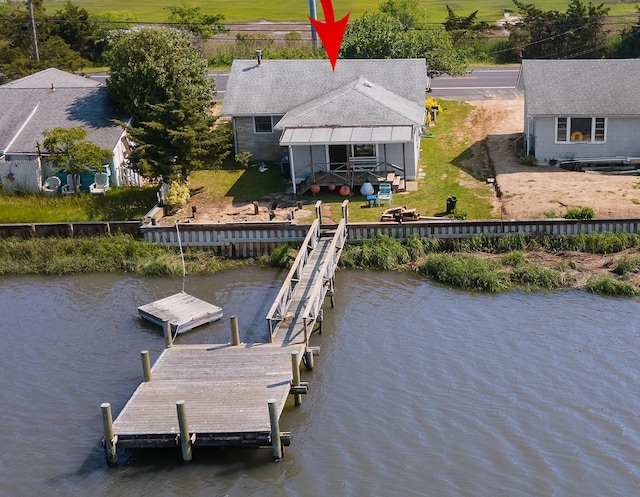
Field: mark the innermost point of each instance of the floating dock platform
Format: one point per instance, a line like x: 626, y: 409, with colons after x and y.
x: 183, y: 312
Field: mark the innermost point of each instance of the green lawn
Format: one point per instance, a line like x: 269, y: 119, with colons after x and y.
x: 119, y: 204
x: 255, y: 10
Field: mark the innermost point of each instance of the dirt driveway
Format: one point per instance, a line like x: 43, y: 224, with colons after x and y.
x: 528, y: 192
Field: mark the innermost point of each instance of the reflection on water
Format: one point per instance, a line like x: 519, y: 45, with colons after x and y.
x: 419, y: 390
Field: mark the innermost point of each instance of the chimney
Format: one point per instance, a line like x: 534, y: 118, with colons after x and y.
x: 259, y: 56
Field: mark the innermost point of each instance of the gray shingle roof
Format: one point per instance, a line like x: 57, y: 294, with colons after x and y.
x: 359, y: 103
x: 30, y: 106
x: 581, y: 87
x: 276, y: 86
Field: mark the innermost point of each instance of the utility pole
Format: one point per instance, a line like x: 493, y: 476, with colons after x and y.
x: 34, y: 39
x: 313, y: 15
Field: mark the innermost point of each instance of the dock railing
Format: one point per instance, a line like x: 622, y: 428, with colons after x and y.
x: 283, y: 299
x: 327, y: 272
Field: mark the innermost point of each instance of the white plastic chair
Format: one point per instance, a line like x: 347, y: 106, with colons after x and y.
x: 384, y: 193
x: 100, y: 183
x: 51, y: 185
x: 72, y: 186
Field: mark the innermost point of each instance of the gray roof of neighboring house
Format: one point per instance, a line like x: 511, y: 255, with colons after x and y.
x: 581, y: 87
x: 30, y: 105
x: 276, y: 86
x: 359, y: 103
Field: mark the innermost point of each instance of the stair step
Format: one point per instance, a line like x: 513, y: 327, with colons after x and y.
x: 402, y: 186
x: 390, y: 177
x: 396, y: 181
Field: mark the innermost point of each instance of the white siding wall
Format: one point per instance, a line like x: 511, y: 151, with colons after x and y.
x: 622, y: 139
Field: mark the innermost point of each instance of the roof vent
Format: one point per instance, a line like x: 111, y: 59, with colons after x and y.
x: 367, y: 84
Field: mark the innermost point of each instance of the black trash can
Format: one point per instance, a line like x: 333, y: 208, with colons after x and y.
x: 451, y: 204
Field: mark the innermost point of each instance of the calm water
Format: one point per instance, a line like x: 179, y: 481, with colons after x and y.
x: 419, y: 390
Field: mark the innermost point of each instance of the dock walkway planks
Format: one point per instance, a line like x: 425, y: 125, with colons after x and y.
x: 183, y: 311
x: 291, y: 329
x: 225, y: 389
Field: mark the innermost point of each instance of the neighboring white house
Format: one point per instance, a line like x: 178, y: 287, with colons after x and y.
x: 56, y: 99
x: 367, y: 115
x: 585, y: 110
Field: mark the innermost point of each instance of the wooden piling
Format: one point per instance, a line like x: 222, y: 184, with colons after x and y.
x: 276, y: 443
x: 308, y: 359
x: 146, y: 365
x: 295, y: 368
x: 235, y: 331
x: 168, y: 338
x: 185, y: 438
x: 256, y: 209
x: 320, y: 320
x: 110, y: 440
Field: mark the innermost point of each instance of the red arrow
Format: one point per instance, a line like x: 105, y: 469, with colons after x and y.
x: 330, y: 31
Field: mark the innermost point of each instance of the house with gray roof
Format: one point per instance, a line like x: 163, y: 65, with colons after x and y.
x: 367, y: 116
x: 56, y: 99
x: 581, y: 110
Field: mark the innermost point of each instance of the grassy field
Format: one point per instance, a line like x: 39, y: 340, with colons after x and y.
x: 255, y: 10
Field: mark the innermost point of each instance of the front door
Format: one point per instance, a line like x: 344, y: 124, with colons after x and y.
x: 338, y: 156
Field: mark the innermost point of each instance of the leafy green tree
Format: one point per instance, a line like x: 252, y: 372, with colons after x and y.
x: 408, y: 12
x: 154, y: 66
x: 158, y: 77
x: 73, y: 25
x: 70, y: 151
x: 578, y: 33
x: 55, y: 52
x: 178, y: 139
x: 379, y: 35
x: 373, y: 36
x: 629, y: 44
x: 465, y: 27
x: 191, y: 18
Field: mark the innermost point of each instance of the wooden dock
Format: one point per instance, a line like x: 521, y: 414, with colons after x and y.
x: 233, y: 394
x: 183, y: 312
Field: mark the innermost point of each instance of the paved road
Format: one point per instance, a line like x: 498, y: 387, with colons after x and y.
x: 480, y: 84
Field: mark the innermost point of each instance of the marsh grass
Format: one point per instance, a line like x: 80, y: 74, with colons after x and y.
x: 103, y: 254
x: 627, y: 265
x: 469, y: 272
x: 606, y: 285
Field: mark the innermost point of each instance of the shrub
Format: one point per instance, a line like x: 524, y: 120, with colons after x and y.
x: 609, y: 286
x: 459, y: 214
x: 583, y: 213
x: 243, y: 159
x: 177, y: 196
x: 528, y: 160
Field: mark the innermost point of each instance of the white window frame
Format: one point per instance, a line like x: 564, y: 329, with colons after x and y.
x: 260, y: 132
x: 595, y: 122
